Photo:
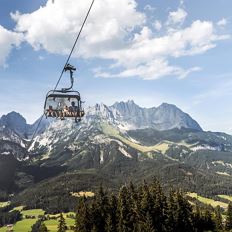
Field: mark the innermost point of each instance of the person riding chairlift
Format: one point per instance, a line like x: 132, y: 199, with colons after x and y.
x: 50, y: 112
x: 66, y: 112
x: 73, y: 109
x: 60, y: 111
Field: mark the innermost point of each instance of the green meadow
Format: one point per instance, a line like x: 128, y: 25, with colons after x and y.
x: 208, y: 201
x: 25, y: 224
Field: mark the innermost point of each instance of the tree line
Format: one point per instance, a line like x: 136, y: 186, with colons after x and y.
x: 146, y: 208
x: 142, y: 208
x: 9, y: 217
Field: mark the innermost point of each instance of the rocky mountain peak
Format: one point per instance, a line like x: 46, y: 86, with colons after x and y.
x: 127, y: 115
x: 164, y: 117
x: 14, y: 117
x: 15, y: 122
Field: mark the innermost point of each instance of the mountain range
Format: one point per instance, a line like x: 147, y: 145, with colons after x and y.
x: 114, y: 144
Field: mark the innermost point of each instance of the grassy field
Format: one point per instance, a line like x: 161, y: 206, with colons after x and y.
x: 82, y: 194
x: 229, y: 198
x: 26, y: 224
x: 207, y: 201
x: 21, y: 226
x: 33, y: 212
x: 4, y: 204
x: 160, y: 147
x: 19, y: 208
x: 52, y: 224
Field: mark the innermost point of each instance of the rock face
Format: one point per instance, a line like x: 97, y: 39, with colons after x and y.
x: 164, y: 117
x: 15, y: 122
x: 124, y: 114
x: 15, y: 133
x: 121, y: 141
x: 15, y: 125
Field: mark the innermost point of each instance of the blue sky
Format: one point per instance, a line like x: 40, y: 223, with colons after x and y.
x: 149, y: 51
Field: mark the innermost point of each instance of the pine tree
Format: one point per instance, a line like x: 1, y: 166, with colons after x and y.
x: 112, y: 220
x: 62, y: 224
x: 148, y: 224
x: 39, y: 226
x: 43, y: 228
x: 229, y: 217
x: 197, y: 220
x: 159, y: 211
x: 183, y: 215
x: 218, y: 219
x: 208, y: 222
x: 36, y: 226
x: 83, y: 220
x: 146, y: 206
x: 100, y: 210
x: 171, y: 209
x: 125, y: 222
x: 135, y: 201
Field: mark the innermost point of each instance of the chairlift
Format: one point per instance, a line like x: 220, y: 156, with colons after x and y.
x: 64, y: 103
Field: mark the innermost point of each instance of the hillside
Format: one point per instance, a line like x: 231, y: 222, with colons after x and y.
x: 113, y: 145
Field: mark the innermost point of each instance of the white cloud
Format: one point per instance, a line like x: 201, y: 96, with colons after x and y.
x: 150, y: 71
x: 149, y: 8
x: 8, y: 40
x: 121, y: 36
x: 196, y: 39
x: 55, y: 26
x: 185, y: 73
x: 177, y: 17
x: 157, y: 25
x: 223, y: 22
x: 182, y: 3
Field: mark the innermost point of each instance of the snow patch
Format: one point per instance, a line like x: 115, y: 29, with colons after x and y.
x: 5, y: 153
x: 205, y: 147
x: 220, y: 162
x: 124, y: 152
x: 98, y: 139
x: 223, y: 173
x: 22, y: 144
x: 101, y: 157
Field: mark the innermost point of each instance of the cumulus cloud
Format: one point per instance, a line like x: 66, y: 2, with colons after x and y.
x: 149, y: 8
x: 117, y: 31
x: 55, y: 26
x: 148, y: 51
x: 150, y: 71
x: 157, y: 25
x: 222, y: 22
x: 177, y: 17
x: 8, y: 40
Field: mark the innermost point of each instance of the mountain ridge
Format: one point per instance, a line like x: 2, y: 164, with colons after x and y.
x: 124, y: 114
x: 112, y: 142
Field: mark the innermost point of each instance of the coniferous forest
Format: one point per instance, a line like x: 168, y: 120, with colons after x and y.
x: 137, y: 208
x: 146, y: 208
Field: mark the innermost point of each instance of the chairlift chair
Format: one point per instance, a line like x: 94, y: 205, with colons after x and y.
x: 64, y: 103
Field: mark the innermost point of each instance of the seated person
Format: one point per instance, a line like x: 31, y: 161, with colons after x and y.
x: 50, y: 112
x: 82, y: 113
x: 66, y: 111
x: 73, y: 109
x: 60, y: 111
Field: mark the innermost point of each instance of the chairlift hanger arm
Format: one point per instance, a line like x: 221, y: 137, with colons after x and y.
x: 71, y: 69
